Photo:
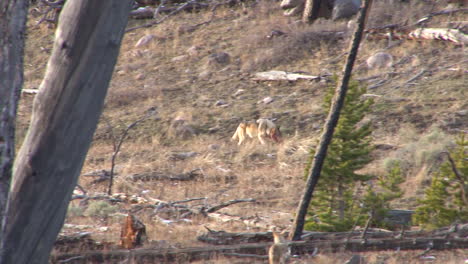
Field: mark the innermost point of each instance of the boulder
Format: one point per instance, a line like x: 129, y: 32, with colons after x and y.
x: 345, y: 8
x: 380, y: 60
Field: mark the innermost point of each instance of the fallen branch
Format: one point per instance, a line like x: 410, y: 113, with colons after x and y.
x: 226, y: 238
x: 459, y: 177
x: 226, y: 204
x: 170, y: 255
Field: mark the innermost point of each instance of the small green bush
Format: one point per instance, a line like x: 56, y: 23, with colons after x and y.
x: 100, y: 209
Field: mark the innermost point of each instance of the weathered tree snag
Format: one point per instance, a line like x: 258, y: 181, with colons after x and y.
x: 12, y: 28
x: 65, y: 114
x: 133, y: 232
x: 330, y: 124
x: 311, y: 10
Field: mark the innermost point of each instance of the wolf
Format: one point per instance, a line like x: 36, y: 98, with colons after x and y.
x: 262, y: 128
x: 279, y: 251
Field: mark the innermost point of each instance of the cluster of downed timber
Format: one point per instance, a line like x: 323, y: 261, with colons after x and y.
x: 367, y: 238
x: 255, y: 245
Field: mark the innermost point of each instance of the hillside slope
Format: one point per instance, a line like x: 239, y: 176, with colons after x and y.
x: 200, y: 81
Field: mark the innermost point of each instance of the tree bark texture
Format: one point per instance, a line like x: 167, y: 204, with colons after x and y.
x: 12, y: 28
x: 330, y: 124
x: 65, y: 114
x: 311, y: 10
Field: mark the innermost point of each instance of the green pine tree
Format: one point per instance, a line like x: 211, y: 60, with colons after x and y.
x: 443, y: 203
x: 333, y: 207
x: 376, y: 201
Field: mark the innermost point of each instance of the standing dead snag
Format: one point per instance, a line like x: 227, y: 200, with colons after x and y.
x: 133, y: 233
x: 65, y: 115
x: 12, y: 28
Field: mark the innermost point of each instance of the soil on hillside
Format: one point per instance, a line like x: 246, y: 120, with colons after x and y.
x: 200, y: 83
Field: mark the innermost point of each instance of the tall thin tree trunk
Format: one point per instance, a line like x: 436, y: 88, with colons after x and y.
x: 311, y: 10
x: 341, y: 202
x: 65, y: 114
x: 330, y: 124
x: 12, y: 28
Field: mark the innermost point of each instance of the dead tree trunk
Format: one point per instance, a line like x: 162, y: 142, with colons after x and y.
x: 65, y: 113
x: 311, y: 10
x: 330, y: 124
x: 12, y: 27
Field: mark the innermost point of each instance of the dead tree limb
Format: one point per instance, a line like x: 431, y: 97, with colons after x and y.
x: 330, y: 124
x: 460, y: 178
x: 117, y: 144
x: 226, y: 204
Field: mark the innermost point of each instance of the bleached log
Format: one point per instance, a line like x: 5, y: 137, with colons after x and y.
x: 30, y: 91
x: 282, y: 76
x: 448, y: 34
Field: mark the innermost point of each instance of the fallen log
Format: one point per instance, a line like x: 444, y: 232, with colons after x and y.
x: 226, y: 238
x: 186, y: 255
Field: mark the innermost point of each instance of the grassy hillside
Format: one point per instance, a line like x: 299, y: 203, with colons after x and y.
x: 200, y: 99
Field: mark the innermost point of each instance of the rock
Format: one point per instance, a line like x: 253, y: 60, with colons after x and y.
x: 145, y: 40
x: 204, y: 75
x: 221, y: 103
x: 183, y: 155
x: 218, y: 59
x: 179, y: 58
x: 345, y: 8
x: 140, y: 76
x: 275, y: 33
x: 142, y: 12
x: 193, y: 51
x: 180, y: 129
x: 214, y: 146
x: 380, y: 60
x: 238, y: 92
x: 266, y: 100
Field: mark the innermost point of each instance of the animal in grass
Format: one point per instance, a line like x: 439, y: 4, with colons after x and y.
x: 279, y: 251
x: 263, y: 128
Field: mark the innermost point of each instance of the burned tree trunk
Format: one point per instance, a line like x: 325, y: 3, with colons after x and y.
x: 12, y: 28
x: 330, y: 124
x: 65, y: 115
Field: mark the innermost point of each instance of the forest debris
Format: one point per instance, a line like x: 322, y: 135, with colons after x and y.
x: 453, y: 35
x: 133, y: 232
x: 158, y: 176
x: 283, y: 76
x: 301, y: 247
x: 459, y: 232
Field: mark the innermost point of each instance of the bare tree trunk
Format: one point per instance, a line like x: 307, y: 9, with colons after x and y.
x: 330, y: 124
x: 311, y: 10
x: 65, y: 114
x: 341, y: 202
x: 12, y: 28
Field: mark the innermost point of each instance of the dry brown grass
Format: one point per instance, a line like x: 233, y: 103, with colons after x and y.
x: 272, y: 174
